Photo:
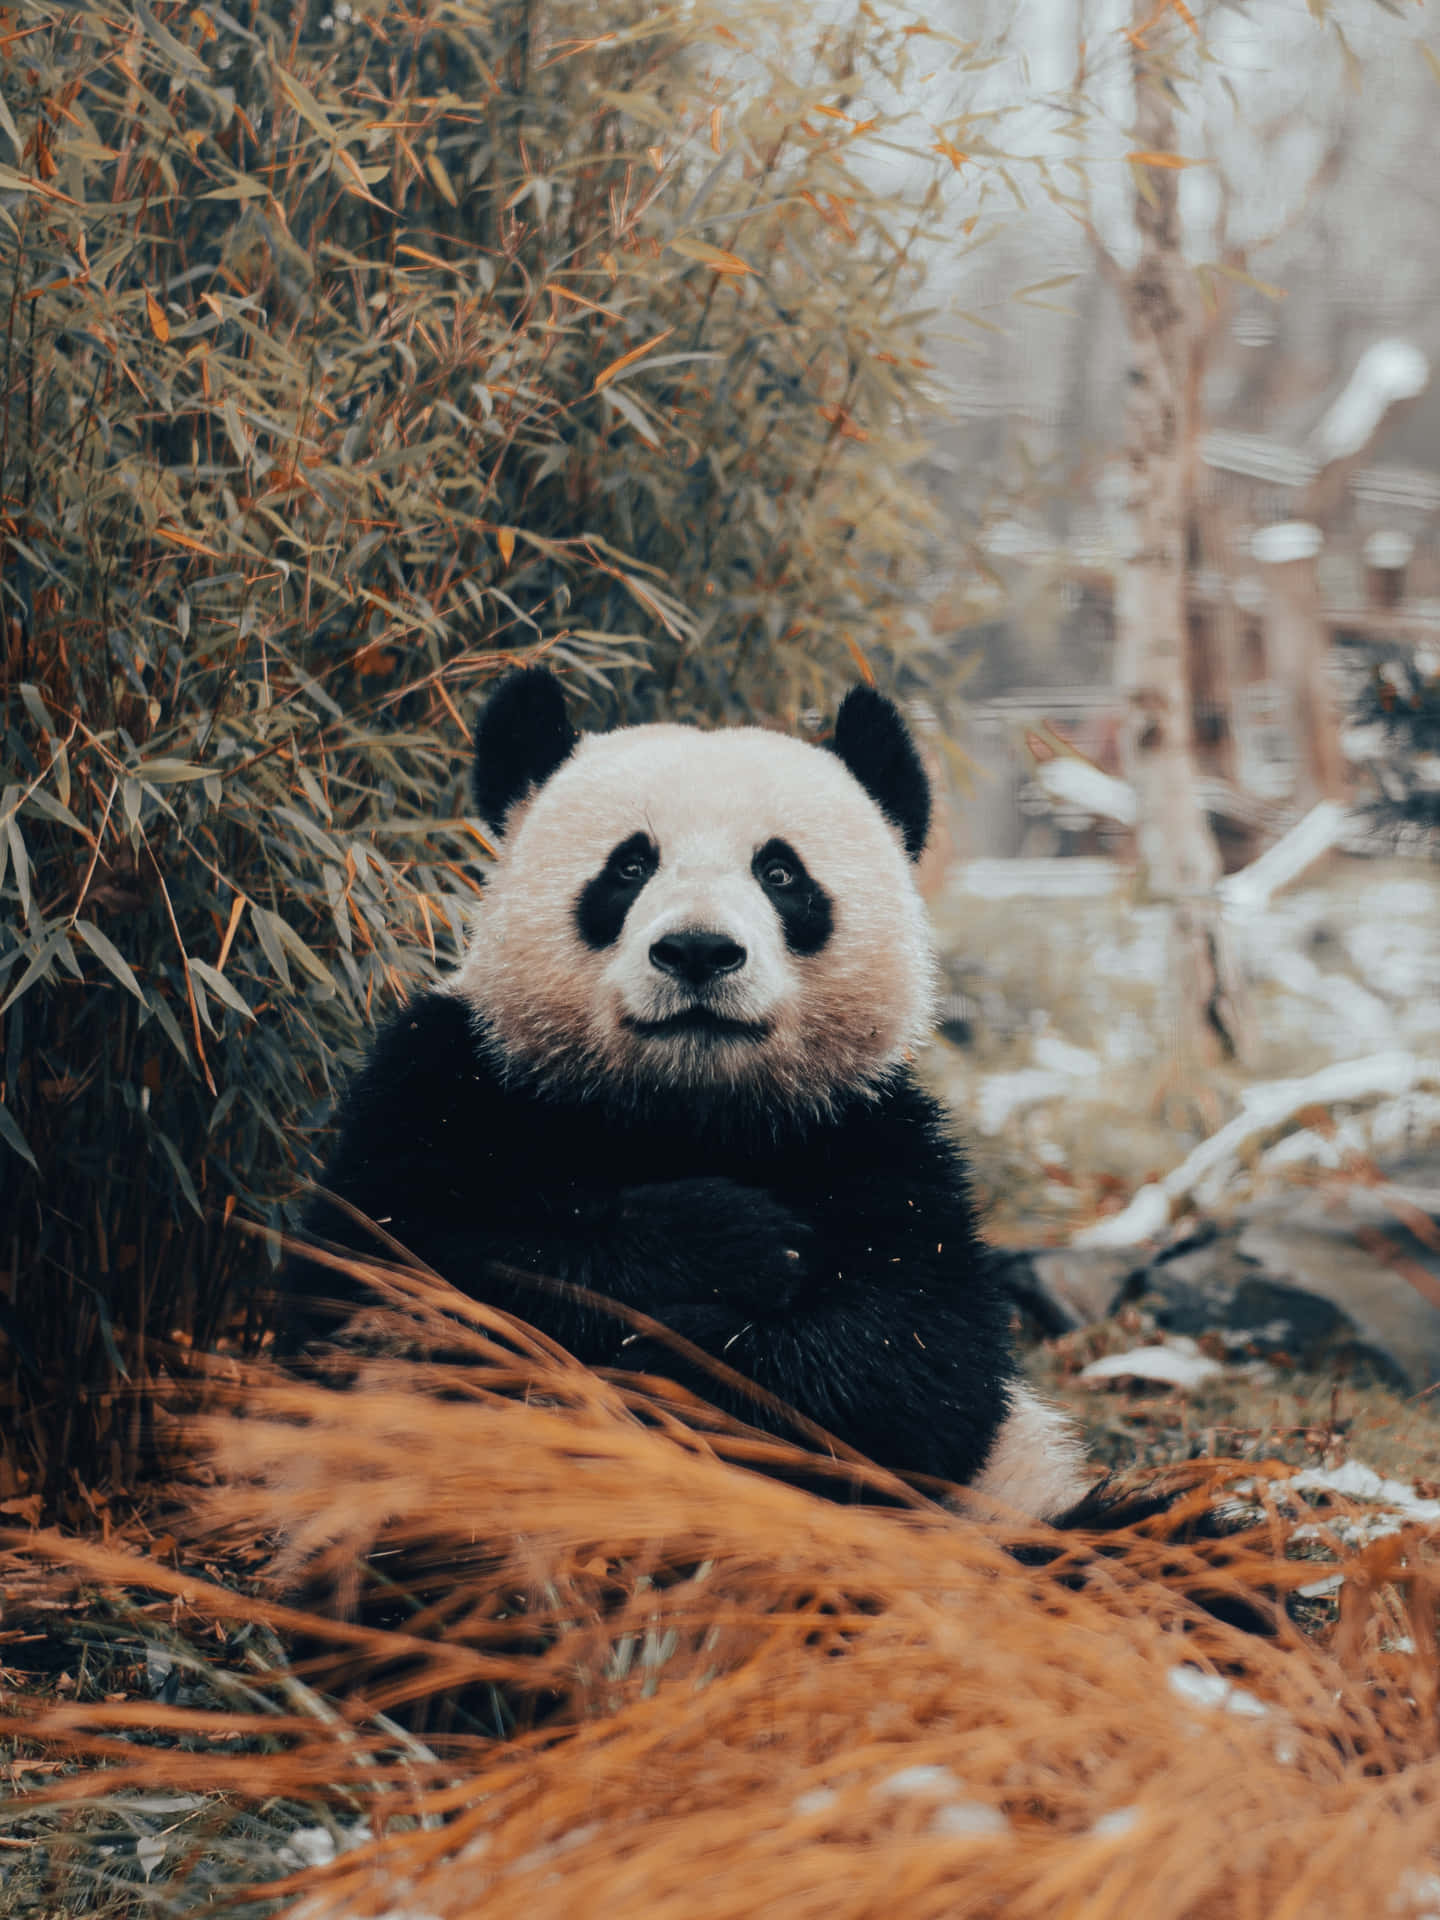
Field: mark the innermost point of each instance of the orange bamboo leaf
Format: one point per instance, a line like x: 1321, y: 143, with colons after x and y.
x: 186, y: 540
x: 237, y: 907
x: 867, y: 672
x: 607, y: 374
x: 443, y: 184
x: 505, y: 537
x: 953, y: 154
x: 839, y: 418
x: 717, y: 258
x: 1169, y: 160
x: 159, y: 325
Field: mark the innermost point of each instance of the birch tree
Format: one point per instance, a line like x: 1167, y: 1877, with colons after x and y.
x: 1179, y: 860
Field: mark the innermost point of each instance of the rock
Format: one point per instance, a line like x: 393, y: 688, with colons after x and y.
x: 1291, y: 1277
x: 1317, y: 1252
x: 1061, y: 1288
x: 1343, y: 1276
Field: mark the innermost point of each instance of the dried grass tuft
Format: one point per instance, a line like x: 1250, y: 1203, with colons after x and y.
x: 749, y: 1700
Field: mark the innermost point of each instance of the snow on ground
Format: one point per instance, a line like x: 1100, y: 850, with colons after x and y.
x: 1075, y: 1070
x: 1176, y: 1364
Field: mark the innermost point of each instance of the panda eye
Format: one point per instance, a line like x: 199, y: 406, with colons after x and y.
x: 633, y: 869
x: 776, y: 874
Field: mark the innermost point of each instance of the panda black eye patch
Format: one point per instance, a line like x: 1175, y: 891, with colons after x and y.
x: 606, y: 900
x: 800, y: 902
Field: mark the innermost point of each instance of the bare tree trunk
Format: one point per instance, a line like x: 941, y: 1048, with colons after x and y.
x: 1299, y: 648
x: 1178, y: 856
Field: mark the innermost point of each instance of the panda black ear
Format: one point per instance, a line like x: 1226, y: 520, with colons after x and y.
x: 523, y: 735
x: 875, y: 744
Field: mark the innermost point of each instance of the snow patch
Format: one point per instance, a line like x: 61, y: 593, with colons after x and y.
x: 316, y: 1846
x: 962, y: 1818
x: 1111, y: 1826
x: 1289, y: 540
x: 1387, y: 371
x: 1078, y: 784
x: 1373, y: 1076
x: 1417, y: 1896
x: 813, y: 1800
x: 1001, y: 1094
x: 1058, y: 1056
x: 913, y: 1782
x: 1253, y: 886
x: 1146, y: 1218
x: 1170, y: 1366
x: 1388, y: 550
x: 1319, y: 1589
x: 1360, y: 1482
x: 1212, y: 1690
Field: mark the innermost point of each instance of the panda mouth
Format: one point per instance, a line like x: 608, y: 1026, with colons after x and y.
x: 697, y: 1020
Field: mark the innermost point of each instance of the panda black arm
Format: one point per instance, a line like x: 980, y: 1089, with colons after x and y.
x: 473, y: 1177
x: 898, y: 1341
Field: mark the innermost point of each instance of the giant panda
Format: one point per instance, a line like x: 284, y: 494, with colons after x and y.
x: 674, y: 1069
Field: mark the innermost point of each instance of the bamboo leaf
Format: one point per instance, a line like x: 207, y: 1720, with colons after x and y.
x: 41, y: 964
x: 622, y: 404
x: 222, y: 988
x: 181, y: 1171
x: 266, y: 927
x: 182, y: 56
x: 21, y: 859
x: 161, y: 773
x: 14, y: 1139
x: 1171, y: 161
x: 307, y: 106
x: 607, y: 374
x: 718, y: 258
x: 109, y: 955
x: 444, y: 185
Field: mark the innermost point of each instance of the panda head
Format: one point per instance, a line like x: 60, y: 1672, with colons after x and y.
x: 731, y: 916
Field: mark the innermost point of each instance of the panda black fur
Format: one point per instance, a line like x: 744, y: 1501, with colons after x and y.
x: 672, y: 1070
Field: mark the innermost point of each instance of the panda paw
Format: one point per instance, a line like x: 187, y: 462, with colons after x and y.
x: 719, y: 1242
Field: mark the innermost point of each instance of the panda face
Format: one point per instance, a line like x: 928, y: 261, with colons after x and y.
x: 722, y: 912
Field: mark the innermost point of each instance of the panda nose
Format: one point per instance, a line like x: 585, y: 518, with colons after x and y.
x: 697, y: 957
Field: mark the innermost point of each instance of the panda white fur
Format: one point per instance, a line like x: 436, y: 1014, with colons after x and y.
x: 672, y: 1070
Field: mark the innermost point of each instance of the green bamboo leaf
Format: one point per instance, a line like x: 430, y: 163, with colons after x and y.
x: 109, y: 955
x: 267, y: 925
x: 14, y: 1139
x: 162, y: 36
x: 222, y: 988
x: 41, y: 802
x: 159, y: 773
x: 21, y: 859
x: 39, y: 968
x: 166, y: 1022
x: 621, y: 403
x: 242, y: 187
x: 307, y: 106
x: 36, y: 708
x: 182, y: 1172
x: 309, y: 960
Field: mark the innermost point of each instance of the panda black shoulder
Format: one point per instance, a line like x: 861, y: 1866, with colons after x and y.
x: 431, y: 1037
x: 403, y: 1124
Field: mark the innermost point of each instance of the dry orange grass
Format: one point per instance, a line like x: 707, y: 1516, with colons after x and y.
x: 759, y: 1702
